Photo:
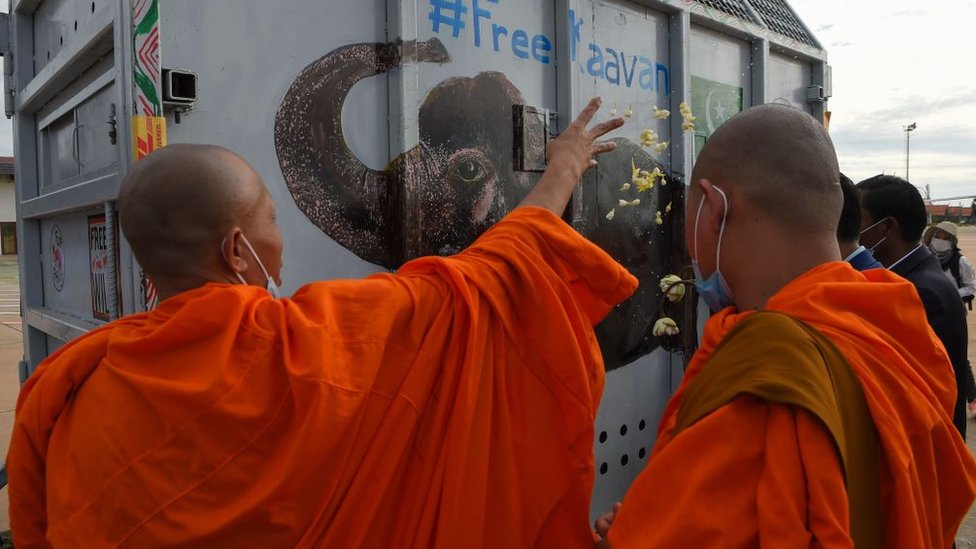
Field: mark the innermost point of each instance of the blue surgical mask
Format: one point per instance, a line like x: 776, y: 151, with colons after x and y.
x: 714, y: 290
x: 271, y: 286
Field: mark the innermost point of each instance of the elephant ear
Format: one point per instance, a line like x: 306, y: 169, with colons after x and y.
x: 353, y: 204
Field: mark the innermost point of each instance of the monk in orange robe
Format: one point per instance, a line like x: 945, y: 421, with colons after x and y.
x: 449, y: 405
x: 765, y: 443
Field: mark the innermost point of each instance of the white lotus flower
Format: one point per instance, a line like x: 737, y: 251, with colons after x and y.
x: 665, y: 326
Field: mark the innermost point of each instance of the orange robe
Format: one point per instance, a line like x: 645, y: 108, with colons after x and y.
x: 449, y: 405
x: 754, y: 473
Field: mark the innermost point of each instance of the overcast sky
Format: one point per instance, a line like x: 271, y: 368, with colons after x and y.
x: 896, y: 62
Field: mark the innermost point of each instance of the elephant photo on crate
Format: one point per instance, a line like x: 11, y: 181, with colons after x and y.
x: 459, y: 180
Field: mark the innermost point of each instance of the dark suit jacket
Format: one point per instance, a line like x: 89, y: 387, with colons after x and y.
x: 946, y: 314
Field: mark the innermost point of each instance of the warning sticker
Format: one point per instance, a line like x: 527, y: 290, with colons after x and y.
x: 98, y: 255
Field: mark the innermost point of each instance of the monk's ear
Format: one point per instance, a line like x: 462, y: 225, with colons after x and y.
x: 714, y: 208
x: 232, y: 251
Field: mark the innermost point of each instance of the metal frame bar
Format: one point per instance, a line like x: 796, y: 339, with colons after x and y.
x: 404, y: 97
x: 26, y: 176
x: 66, y: 66
x: 129, y: 273
x: 679, y: 46
x: 24, y: 7
x: 76, y: 197
x: 568, y: 97
x: 56, y: 324
x: 48, y: 116
x: 760, y: 68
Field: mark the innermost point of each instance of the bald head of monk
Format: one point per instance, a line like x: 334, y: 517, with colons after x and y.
x: 189, y: 213
x: 767, y: 187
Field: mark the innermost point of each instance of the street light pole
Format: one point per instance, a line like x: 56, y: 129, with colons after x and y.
x: 908, y: 135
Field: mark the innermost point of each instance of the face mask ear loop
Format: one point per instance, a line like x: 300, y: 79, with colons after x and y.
x: 256, y: 258
x: 237, y: 274
x: 721, y: 232
x: 697, y: 219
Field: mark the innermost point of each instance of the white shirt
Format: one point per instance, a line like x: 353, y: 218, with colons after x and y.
x: 967, y: 276
x: 893, y: 265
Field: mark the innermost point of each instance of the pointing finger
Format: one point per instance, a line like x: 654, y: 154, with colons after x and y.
x: 586, y: 115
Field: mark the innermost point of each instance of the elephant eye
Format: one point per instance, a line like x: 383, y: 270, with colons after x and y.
x: 470, y: 171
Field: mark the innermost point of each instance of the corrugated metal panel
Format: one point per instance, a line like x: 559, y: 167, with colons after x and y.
x: 778, y: 17
x: 731, y: 7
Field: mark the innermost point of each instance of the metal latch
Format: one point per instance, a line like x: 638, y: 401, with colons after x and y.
x: 532, y: 134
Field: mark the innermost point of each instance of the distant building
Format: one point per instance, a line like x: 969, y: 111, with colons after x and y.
x: 956, y: 214
x: 8, y: 207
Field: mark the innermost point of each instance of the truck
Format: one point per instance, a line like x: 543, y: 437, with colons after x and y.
x: 387, y: 130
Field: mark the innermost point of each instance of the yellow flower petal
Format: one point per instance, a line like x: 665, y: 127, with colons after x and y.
x: 647, y: 138
x: 661, y: 114
x: 629, y: 112
x: 658, y: 219
x: 667, y: 208
x: 625, y: 187
x: 663, y: 146
x: 610, y: 215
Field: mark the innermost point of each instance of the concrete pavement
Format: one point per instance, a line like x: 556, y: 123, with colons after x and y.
x: 11, y: 352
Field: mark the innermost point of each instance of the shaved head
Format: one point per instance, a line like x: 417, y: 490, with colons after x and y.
x: 781, y: 161
x: 177, y: 204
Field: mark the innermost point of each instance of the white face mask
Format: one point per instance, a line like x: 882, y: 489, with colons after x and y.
x: 874, y: 248
x: 941, y: 245
x: 271, y: 286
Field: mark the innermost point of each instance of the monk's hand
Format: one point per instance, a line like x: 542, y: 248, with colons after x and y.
x: 576, y: 148
x: 569, y: 155
x: 603, y: 524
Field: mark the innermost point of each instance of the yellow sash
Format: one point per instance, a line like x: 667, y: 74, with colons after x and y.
x: 782, y: 360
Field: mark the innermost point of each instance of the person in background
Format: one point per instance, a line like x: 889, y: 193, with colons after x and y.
x: 943, y: 240
x: 893, y: 218
x: 849, y: 230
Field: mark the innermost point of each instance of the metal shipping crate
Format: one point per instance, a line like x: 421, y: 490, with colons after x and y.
x: 386, y: 130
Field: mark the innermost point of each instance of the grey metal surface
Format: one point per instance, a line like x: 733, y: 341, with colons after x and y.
x: 787, y: 79
x: 626, y: 427
x: 92, y: 43
x: 246, y: 59
x: 57, y: 324
x: 66, y: 199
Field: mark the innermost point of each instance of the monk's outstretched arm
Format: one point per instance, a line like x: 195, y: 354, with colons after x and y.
x: 569, y: 156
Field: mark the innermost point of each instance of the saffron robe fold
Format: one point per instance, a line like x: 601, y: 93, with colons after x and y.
x: 757, y: 473
x: 449, y: 405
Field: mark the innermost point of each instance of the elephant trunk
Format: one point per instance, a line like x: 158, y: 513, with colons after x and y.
x: 322, y: 172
